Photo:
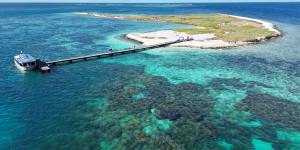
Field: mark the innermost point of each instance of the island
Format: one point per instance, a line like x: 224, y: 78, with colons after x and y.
x: 206, y: 30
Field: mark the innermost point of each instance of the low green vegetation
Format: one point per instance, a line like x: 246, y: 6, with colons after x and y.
x: 224, y: 27
x: 196, y: 30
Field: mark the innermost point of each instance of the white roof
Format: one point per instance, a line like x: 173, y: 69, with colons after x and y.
x: 24, y: 58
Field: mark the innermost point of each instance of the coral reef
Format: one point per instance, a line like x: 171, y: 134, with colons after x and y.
x: 279, y: 112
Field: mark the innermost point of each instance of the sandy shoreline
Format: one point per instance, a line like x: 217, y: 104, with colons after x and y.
x: 267, y: 25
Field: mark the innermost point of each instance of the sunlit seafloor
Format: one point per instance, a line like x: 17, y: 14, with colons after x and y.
x: 170, y: 98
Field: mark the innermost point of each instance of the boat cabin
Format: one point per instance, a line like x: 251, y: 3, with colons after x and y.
x: 25, y: 61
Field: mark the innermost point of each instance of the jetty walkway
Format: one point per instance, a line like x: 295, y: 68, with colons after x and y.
x: 44, y: 66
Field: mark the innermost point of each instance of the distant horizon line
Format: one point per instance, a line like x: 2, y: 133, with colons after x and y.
x: 147, y: 2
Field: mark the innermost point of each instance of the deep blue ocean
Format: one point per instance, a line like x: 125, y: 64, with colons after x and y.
x: 169, y: 98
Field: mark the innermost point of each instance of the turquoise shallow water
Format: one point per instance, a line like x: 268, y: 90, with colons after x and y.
x: 241, y: 98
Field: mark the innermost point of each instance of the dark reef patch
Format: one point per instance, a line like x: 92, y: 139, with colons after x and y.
x: 188, y: 106
x: 279, y: 112
x: 159, y: 93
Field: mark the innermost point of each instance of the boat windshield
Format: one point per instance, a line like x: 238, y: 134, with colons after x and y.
x: 28, y: 64
x: 32, y: 63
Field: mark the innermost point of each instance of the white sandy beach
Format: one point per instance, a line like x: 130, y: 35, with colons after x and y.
x: 200, y: 40
x: 267, y: 25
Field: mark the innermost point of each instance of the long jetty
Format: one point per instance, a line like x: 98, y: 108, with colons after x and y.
x: 45, y: 66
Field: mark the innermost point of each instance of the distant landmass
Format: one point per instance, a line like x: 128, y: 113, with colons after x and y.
x: 206, y: 30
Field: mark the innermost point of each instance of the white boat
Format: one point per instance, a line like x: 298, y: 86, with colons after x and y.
x: 25, y: 62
